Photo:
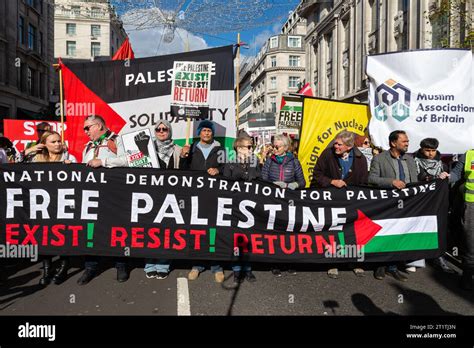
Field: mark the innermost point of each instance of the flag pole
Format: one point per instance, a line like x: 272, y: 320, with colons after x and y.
x: 237, y: 96
x: 61, y: 99
x: 188, y: 119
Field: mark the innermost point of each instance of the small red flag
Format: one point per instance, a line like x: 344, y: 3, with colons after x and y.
x: 124, y: 52
x: 306, y: 90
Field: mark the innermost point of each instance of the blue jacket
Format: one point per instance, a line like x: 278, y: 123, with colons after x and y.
x: 289, y: 171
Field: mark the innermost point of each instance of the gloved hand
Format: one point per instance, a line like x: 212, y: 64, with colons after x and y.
x: 281, y: 184
x: 293, y: 185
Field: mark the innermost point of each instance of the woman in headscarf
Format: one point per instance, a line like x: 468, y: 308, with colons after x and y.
x: 168, y: 157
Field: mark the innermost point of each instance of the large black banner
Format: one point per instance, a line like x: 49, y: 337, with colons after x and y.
x: 75, y: 210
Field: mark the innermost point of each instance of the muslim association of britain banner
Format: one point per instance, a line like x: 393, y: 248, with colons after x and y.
x: 323, y: 119
x: 427, y: 93
x: 136, y: 94
x: 140, y: 212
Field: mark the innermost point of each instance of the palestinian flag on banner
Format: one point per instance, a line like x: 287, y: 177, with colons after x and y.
x: 137, y: 94
x: 402, y: 234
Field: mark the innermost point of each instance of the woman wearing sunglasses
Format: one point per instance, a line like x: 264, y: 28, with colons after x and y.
x: 244, y: 167
x: 168, y: 157
x: 283, y: 169
x: 362, y: 143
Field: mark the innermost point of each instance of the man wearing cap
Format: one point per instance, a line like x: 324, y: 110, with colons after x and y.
x: 207, y: 155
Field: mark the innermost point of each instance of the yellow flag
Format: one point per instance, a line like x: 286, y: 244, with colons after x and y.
x: 322, y: 121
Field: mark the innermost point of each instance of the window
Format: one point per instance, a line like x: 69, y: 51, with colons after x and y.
x: 95, y: 12
x: 21, y: 30
x: 31, y: 37
x: 29, y: 81
x: 375, y: 14
x: 294, y: 41
x: 95, y: 49
x: 294, y: 61
x: 70, y: 28
x: 75, y: 10
x: 273, y: 61
x: 274, y: 42
x: 40, y: 44
x: 71, y: 48
x: 273, y: 82
x: 293, y: 82
x: 30, y: 3
x: 273, y: 104
x: 41, y: 86
x: 95, y: 30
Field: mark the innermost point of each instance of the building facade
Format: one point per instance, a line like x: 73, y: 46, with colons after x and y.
x: 279, y: 68
x: 26, y: 58
x: 85, y: 29
x: 341, y: 33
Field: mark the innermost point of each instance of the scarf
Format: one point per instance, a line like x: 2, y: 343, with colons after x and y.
x: 165, y: 148
x: 432, y: 167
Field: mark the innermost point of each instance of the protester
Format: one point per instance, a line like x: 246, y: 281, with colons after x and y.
x: 13, y: 156
x: 430, y: 167
x: 52, y: 150
x: 209, y: 156
x: 168, y: 158
x: 245, y: 168
x: 103, y: 146
x: 464, y: 172
x: 265, y: 151
x: 35, y: 146
x: 3, y: 156
x: 284, y: 170
x: 339, y: 166
x: 393, y: 169
x: 362, y: 142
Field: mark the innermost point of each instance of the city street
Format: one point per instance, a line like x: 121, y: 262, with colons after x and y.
x: 309, y: 292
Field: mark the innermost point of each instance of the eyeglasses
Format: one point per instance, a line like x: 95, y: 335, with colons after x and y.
x: 161, y: 129
x: 87, y: 128
x: 366, y: 142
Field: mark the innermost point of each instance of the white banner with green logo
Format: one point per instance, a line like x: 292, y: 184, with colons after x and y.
x: 427, y: 93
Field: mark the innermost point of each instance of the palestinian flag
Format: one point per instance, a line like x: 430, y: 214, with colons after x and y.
x: 137, y: 94
x: 402, y: 234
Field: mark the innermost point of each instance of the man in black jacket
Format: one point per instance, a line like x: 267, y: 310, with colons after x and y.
x: 205, y: 155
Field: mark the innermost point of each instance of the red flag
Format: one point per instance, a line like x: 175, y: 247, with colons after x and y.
x: 77, y: 93
x: 306, y: 90
x: 283, y: 103
x: 124, y: 52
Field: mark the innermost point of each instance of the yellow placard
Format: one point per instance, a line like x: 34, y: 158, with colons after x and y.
x: 322, y: 121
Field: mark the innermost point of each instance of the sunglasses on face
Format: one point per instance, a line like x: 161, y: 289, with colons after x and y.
x: 161, y: 129
x: 248, y: 147
x: 278, y: 147
x: 87, y: 128
x: 366, y: 142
